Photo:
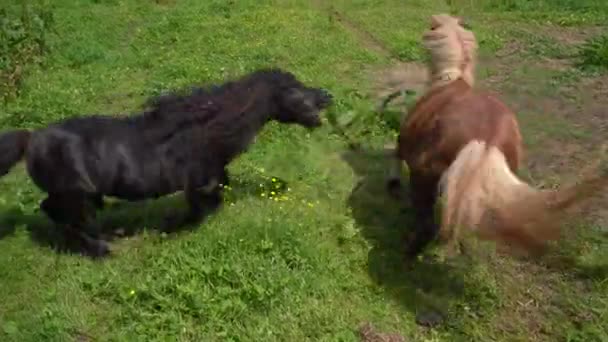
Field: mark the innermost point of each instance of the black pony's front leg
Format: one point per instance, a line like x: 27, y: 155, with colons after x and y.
x: 423, y: 196
x: 202, y: 200
x: 212, y: 193
x: 224, y: 179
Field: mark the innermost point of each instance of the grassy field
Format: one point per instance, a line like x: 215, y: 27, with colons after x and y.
x: 316, y: 260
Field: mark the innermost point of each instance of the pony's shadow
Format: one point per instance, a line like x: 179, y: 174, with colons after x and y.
x: 426, y: 284
x: 421, y: 286
x: 118, y: 219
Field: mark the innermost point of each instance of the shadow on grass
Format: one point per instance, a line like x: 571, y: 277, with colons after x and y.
x: 118, y: 219
x: 426, y: 285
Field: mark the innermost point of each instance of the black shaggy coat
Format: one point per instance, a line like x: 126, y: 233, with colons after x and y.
x: 183, y: 142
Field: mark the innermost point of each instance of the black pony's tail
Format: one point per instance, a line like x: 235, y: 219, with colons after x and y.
x: 12, y: 148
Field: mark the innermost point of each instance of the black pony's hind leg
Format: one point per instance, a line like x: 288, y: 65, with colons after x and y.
x: 423, y: 197
x: 70, y: 212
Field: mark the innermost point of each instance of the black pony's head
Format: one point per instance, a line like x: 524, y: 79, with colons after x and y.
x: 297, y: 103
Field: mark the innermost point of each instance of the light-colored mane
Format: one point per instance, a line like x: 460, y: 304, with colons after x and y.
x: 452, y: 49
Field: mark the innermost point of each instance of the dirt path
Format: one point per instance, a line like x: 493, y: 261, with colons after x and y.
x: 366, y: 38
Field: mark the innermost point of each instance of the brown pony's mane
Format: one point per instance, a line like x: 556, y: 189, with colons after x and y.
x: 452, y: 49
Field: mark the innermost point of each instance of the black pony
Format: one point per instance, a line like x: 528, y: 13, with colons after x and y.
x: 183, y: 142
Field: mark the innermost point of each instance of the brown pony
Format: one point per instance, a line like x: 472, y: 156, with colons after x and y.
x: 465, y: 146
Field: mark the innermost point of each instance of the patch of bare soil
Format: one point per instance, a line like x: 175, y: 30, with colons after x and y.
x: 583, y: 104
x: 368, y: 333
x: 573, y: 35
x: 400, y: 76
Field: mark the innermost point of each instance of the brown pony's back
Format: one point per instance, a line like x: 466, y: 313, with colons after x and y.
x: 444, y: 120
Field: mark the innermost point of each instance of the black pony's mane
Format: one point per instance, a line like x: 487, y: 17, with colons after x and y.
x: 219, y: 106
x: 202, y: 103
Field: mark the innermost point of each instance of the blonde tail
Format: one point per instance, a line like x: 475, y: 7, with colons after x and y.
x: 480, y: 193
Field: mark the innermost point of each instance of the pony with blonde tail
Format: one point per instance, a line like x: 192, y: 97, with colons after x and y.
x: 464, y: 146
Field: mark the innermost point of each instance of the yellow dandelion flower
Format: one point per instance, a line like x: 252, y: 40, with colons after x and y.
x: 273, y: 193
x: 132, y: 292
x: 274, y: 180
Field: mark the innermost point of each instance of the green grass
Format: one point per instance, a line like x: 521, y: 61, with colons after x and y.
x: 322, y: 258
x: 594, y: 53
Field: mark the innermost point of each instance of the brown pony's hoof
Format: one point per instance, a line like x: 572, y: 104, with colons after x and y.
x: 411, y: 251
x: 409, y: 261
x: 393, y: 187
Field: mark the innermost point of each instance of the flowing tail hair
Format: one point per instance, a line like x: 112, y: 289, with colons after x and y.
x: 480, y: 192
x: 13, y: 145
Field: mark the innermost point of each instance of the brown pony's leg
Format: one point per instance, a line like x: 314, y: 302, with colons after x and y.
x: 393, y: 184
x: 423, y: 195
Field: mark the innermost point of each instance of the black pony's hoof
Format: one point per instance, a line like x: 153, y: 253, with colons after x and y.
x: 429, y: 319
x: 97, y: 249
x: 172, y: 223
x: 393, y: 187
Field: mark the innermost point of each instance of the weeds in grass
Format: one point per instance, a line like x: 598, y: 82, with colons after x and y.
x: 23, y: 41
x: 594, y: 53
